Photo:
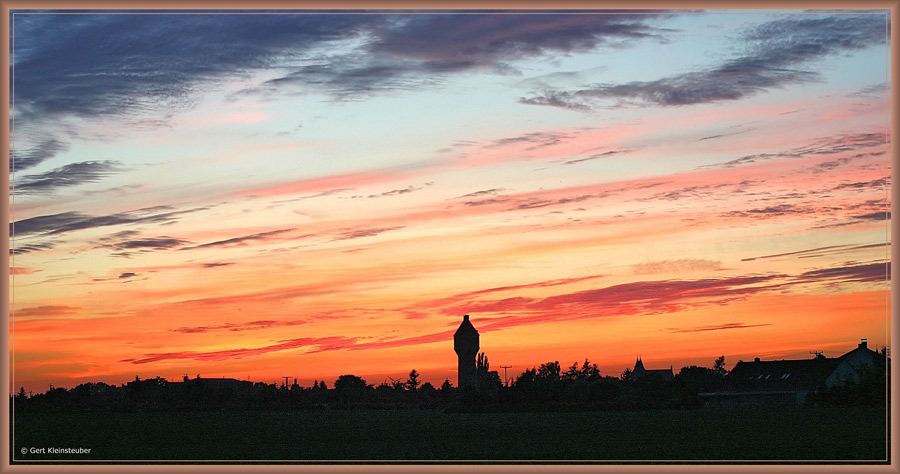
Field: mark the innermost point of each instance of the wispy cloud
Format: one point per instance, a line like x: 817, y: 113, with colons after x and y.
x: 532, y: 140
x: 676, y: 266
x: 648, y: 297
x: 69, y: 175
x: 65, y: 64
x: 241, y: 241
x: 642, y: 297
x: 367, y: 232
x: 307, y: 344
x: 249, y: 326
x: 21, y: 270
x: 313, y: 344
x: 864, y: 273
x: 407, y: 52
x: 773, y: 51
x: 819, y: 251
x: 28, y: 248
x: 699, y: 191
x: 881, y: 183
x: 31, y: 157
x: 158, y: 243
x: 486, y: 202
x: 395, y: 192
x: 718, y: 327
x: 486, y: 192
x: 65, y: 222
x: 596, y: 156
x: 323, y: 186
x: 821, y: 146
x: 464, y: 41
x: 45, y: 312
x: 767, y: 212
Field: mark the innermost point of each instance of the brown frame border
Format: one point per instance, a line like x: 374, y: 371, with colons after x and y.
x: 7, y: 5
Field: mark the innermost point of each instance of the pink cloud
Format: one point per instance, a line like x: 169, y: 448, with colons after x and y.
x: 327, y: 183
x: 21, y: 270
x: 318, y: 344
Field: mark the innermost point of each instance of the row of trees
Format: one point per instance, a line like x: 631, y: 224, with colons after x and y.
x: 546, y: 387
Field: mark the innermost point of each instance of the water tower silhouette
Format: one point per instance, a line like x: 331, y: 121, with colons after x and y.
x: 465, y: 343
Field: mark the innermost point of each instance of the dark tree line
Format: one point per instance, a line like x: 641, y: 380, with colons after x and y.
x: 201, y: 394
x: 548, y: 387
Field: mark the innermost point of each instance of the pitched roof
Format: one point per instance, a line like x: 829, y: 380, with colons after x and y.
x: 639, y: 365
x: 639, y: 371
x: 466, y: 328
x: 861, y: 356
x: 776, y: 375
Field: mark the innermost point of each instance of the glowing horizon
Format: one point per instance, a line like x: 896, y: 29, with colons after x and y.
x: 319, y: 195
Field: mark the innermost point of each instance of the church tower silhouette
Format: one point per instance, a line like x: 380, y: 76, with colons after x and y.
x: 465, y: 343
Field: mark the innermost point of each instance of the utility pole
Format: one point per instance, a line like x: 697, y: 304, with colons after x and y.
x: 285, y: 381
x: 505, y: 379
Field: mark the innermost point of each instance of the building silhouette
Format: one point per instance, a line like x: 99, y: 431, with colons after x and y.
x: 862, y: 356
x: 465, y: 343
x: 763, y: 382
x: 640, y: 372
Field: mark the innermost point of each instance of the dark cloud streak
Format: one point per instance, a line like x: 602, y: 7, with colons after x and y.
x: 831, y: 249
x: 41, y: 152
x: 718, y: 327
x: 71, y: 221
x: 69, y: 175
x: 773, y: 51
x: 371, y: 232
x: 125, y: 64
x: 239, y: 241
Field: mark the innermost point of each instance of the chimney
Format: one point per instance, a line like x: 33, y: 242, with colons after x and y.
x: 863, y: 344
x: 756, y: 359
x: 466, y: 317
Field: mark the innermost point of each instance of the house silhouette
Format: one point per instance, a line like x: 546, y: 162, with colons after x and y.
x: 771, y: 381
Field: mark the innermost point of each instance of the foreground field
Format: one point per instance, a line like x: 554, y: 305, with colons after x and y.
x: 807, y: 433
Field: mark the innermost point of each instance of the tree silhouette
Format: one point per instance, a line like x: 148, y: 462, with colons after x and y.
x: 719, y: 367
x: 587, y: 371
x: 487, y: 380
x: 412, y: 383
x: 549, y: 371
x: 350, y: 389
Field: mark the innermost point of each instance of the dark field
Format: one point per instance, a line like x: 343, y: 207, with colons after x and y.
x: 803, y: 433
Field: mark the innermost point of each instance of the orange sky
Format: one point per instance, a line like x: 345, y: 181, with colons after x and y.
x: 605, y: 190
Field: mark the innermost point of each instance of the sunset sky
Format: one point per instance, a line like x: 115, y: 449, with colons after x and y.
x: 309, y: 195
